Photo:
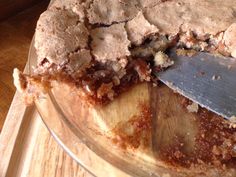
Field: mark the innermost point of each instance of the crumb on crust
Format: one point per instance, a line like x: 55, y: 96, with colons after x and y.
x: 162, y: 60
x: 193, y: 107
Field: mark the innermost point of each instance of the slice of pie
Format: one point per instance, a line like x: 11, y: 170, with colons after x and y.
x: 109, y: 51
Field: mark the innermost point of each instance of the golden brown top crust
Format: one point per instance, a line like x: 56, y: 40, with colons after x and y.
x: 139, y: 28
x: 58, y: 33
x: 110, y: 11
x: 230, y: 39
x: 76, y: 6
x: 61, y: 30
x: 110, y: 43
x: 209, y: 16
x: 79, y: 60
x: 200, y: 16
x: 148, y: 3
x: 166, y: 16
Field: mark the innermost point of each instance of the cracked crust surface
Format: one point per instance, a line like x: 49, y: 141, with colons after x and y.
x: 110, y: 43
x: 76, y: 6
x: 200, y: 16
x: 79, y: 60
x: 58, y: 33
x: 139, y: 28
x: 230, y: 39
x: 110, y: 11
x: 166, y: 16
x: 149, y: 3
x: 209, y: 17
x: 61, y: 29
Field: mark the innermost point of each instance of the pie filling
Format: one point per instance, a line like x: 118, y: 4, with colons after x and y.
x: 103, y: 81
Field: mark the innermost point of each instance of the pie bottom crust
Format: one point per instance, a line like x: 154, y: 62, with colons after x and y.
x: 154, y: 124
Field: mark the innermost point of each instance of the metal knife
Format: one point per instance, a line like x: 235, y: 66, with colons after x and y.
x: 206, y: 79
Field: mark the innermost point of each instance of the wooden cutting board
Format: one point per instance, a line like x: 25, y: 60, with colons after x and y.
x: 28, y: 149
x: 16, y: 34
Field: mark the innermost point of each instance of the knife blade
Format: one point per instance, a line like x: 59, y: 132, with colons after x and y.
x: 206, y: 79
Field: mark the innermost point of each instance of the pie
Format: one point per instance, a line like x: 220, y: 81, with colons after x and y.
x: 110, y: 48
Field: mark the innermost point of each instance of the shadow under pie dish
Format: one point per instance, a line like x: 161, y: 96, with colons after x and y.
x: 97, y: 58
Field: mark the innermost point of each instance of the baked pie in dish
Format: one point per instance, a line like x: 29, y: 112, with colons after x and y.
x: 108, y: 51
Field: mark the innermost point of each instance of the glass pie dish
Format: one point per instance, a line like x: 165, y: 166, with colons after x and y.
x: 73, y: 125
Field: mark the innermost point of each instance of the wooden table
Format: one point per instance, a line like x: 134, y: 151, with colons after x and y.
x: 15, y: 37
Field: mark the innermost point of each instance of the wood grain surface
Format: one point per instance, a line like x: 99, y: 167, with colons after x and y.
x: 12, y: 7
x: 28, y: 149
x: 15, y: 37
